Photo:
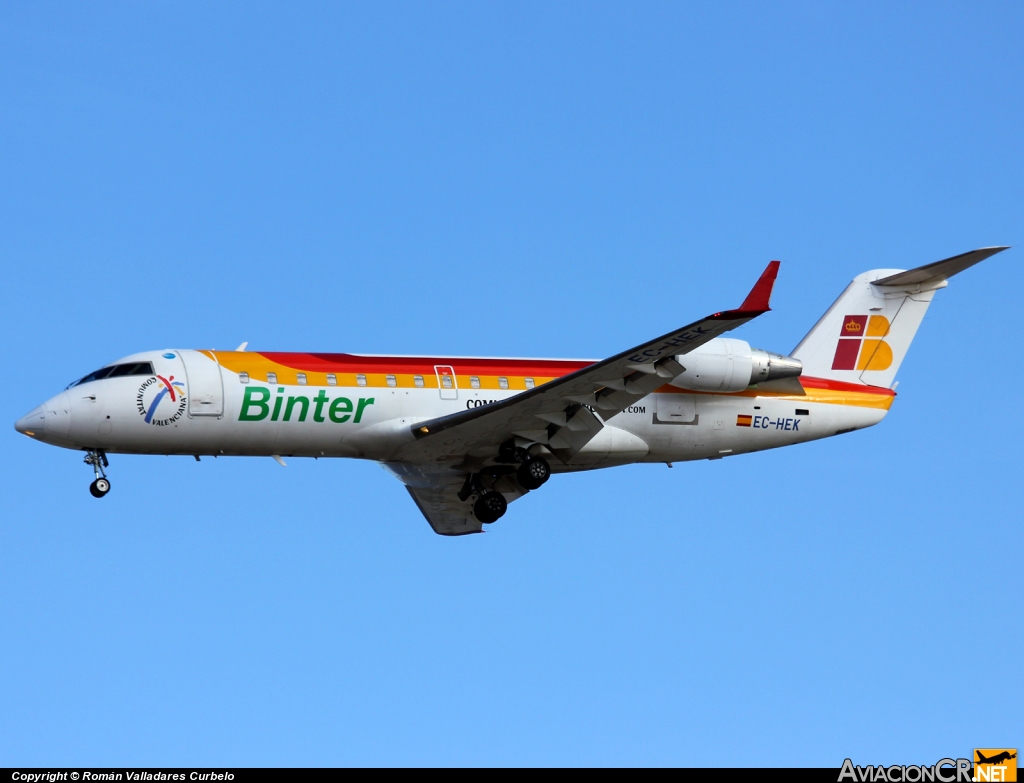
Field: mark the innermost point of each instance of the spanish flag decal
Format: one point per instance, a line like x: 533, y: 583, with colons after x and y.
x: 744, y: 420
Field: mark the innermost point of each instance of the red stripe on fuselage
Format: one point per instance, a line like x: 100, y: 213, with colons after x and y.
x: 344, y: 362
x: 546, y: 368
x: 863, y: 388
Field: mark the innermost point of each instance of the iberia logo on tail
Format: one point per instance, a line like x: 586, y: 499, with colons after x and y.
x: 861, y: 346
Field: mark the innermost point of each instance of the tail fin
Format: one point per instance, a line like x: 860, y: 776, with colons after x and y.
x: 865, y: 334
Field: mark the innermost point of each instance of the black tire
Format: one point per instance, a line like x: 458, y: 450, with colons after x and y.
x: 534, y: 473
x: 490, y: 507
x: 99, y: 487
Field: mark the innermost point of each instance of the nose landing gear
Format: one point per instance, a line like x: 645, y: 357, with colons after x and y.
x: 98, y: 460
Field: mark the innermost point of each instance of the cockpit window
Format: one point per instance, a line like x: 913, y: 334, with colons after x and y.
x: 138, y: 368
x: 93, y: 376
x: 117, y: 371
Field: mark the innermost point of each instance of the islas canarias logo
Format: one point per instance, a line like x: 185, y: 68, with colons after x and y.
x: 861, y: 344
x: 161, y: 401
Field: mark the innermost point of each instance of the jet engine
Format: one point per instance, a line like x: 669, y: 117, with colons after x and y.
x: 729, y: 365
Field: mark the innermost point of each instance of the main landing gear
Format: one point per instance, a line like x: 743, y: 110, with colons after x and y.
x: 533, y: 472
x: 490, y: 505
x: 98, y: 460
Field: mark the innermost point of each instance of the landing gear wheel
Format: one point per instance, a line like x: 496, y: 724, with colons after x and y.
x: 98, y: 460
x: 99, y: 487
x: 490, y: 507
x: 534, y: 473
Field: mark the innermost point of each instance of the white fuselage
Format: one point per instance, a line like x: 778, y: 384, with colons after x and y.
x: 217, y: 408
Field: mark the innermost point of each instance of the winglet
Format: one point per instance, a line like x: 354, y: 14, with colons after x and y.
x: 761, y: 293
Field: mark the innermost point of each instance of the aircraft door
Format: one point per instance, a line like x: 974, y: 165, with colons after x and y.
x: 446, y: 382
x: 205, y: 385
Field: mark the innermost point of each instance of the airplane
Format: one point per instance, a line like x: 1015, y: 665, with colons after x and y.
x: 468, y: 436
x: 996, y: 759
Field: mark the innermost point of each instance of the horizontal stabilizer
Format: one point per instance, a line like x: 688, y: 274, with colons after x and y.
x: 940, y: 270
x: 865, y: 334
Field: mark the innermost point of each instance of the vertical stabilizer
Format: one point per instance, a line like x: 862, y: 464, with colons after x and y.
x: 865, y: 334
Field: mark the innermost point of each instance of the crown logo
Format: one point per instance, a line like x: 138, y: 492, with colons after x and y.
x: 855, y: 350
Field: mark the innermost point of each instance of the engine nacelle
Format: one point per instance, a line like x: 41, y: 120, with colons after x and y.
x: 729, y: 365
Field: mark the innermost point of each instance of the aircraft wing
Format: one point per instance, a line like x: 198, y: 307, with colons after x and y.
x: 563, y: 414
x: 435, y: 490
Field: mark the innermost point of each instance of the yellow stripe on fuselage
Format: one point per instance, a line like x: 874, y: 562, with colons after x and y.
x: 258, y: 366
x: 825, y: 396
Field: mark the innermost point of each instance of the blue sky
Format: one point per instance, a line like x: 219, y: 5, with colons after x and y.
x: 514, y: 179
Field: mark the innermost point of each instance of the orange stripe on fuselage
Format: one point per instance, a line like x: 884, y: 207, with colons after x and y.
x: 421, y: 365
x: 287, y: 366
x: 345, y: 367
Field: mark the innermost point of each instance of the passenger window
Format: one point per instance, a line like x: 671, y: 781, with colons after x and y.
x: 392, y: 381
x: 301, y: 378
x: 271, y: 377
x: 361, y: 379
x: 332, y: 379
x: 474, y: 381
x: 418, y: 380
x: 446, y: 381
x: 503, y: 383
x: 529, y: 383
x: 243, y: 377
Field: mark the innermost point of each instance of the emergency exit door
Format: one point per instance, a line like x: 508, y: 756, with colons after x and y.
x: 446, y: 382
x: 674, y: 408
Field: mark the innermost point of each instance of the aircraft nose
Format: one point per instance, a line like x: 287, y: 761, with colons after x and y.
x: 32, y: 423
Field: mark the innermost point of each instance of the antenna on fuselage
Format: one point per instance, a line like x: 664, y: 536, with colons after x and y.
x: 242, y: 346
